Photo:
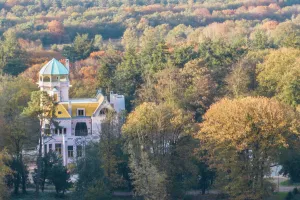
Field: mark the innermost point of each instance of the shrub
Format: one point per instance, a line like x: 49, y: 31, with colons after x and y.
x: 289, y: 196
x: 295, y: 191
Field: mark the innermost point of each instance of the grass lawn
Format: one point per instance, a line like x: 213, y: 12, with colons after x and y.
x: 279, y: 196
x: 44, y: 196
x: 289, y: 183
x: 52, y: 196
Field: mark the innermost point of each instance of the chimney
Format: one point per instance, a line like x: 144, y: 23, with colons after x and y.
x: 68, y: 64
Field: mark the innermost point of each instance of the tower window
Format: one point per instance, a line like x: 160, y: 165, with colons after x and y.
x: 46, y: 79
x: 63, y: 78
x: 59, y: 112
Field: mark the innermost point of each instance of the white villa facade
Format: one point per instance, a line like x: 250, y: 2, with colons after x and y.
x: 79, y: 120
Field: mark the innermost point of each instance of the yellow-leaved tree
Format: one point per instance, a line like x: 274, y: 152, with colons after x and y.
x: 279, y: 75
x: 155, y: 133
x: 243, y: 138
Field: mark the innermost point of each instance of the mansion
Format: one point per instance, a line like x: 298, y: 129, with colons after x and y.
x: 79, y: 120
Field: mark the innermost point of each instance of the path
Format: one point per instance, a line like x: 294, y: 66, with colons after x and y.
x: 278, y: 180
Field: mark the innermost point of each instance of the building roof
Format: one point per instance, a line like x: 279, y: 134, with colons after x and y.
x: 54, y: 67
x: 84, y: 100
x: 90, y: 105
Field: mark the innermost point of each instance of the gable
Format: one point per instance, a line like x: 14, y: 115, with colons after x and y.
x: 62, y: 111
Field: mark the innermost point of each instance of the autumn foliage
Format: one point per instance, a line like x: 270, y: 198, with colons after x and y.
x: 243, y: 138
x: 56, y: 27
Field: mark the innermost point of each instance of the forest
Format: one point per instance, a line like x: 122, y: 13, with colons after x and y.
x: 212, y: 93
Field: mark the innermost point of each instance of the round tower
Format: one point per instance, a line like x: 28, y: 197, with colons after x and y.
x: 54, y: 79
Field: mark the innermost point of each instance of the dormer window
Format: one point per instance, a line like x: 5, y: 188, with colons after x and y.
x: 80, y: 112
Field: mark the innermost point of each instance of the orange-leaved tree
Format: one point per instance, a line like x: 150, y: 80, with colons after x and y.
x: 243, y: 138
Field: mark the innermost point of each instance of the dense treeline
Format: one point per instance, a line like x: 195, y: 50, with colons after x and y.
x: 212, y: 94
x: 32, y: 20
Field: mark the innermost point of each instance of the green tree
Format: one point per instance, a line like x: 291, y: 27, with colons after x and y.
x: 156, y: 60
x: 98, y: 42
x: 219, y: 57
x: 4, y: 171
x: 49, y: 160
x: 16, y: 130
x: 113, y: 158
x: 105, y: 78
x: 70, y: 53
x: 148, y: 181
x: 80, y: 49
x: 289, y: 159
x: 183, y: 55
x: 130, y: 39
x: 128, y: 77
x: 60, y: 177
x: 42, y: 107
x: 82, y: 46
x: 287, y: 34
x: 91, y: 182
x: 13, y: 57
x: 260, y: 40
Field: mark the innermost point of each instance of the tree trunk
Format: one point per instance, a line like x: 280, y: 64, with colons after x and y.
x: 17, y: 183
x: 203, y: 189
x: 23, y: 174
x: 43, y: 184
x: 39, y: 164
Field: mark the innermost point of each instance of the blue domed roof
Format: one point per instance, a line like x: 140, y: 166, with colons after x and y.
x: 54, y: 67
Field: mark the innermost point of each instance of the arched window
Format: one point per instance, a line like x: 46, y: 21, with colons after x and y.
x: 46, y: 79
x: 103, y: 111
x: 81, y: 129
x: 63, y: 78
